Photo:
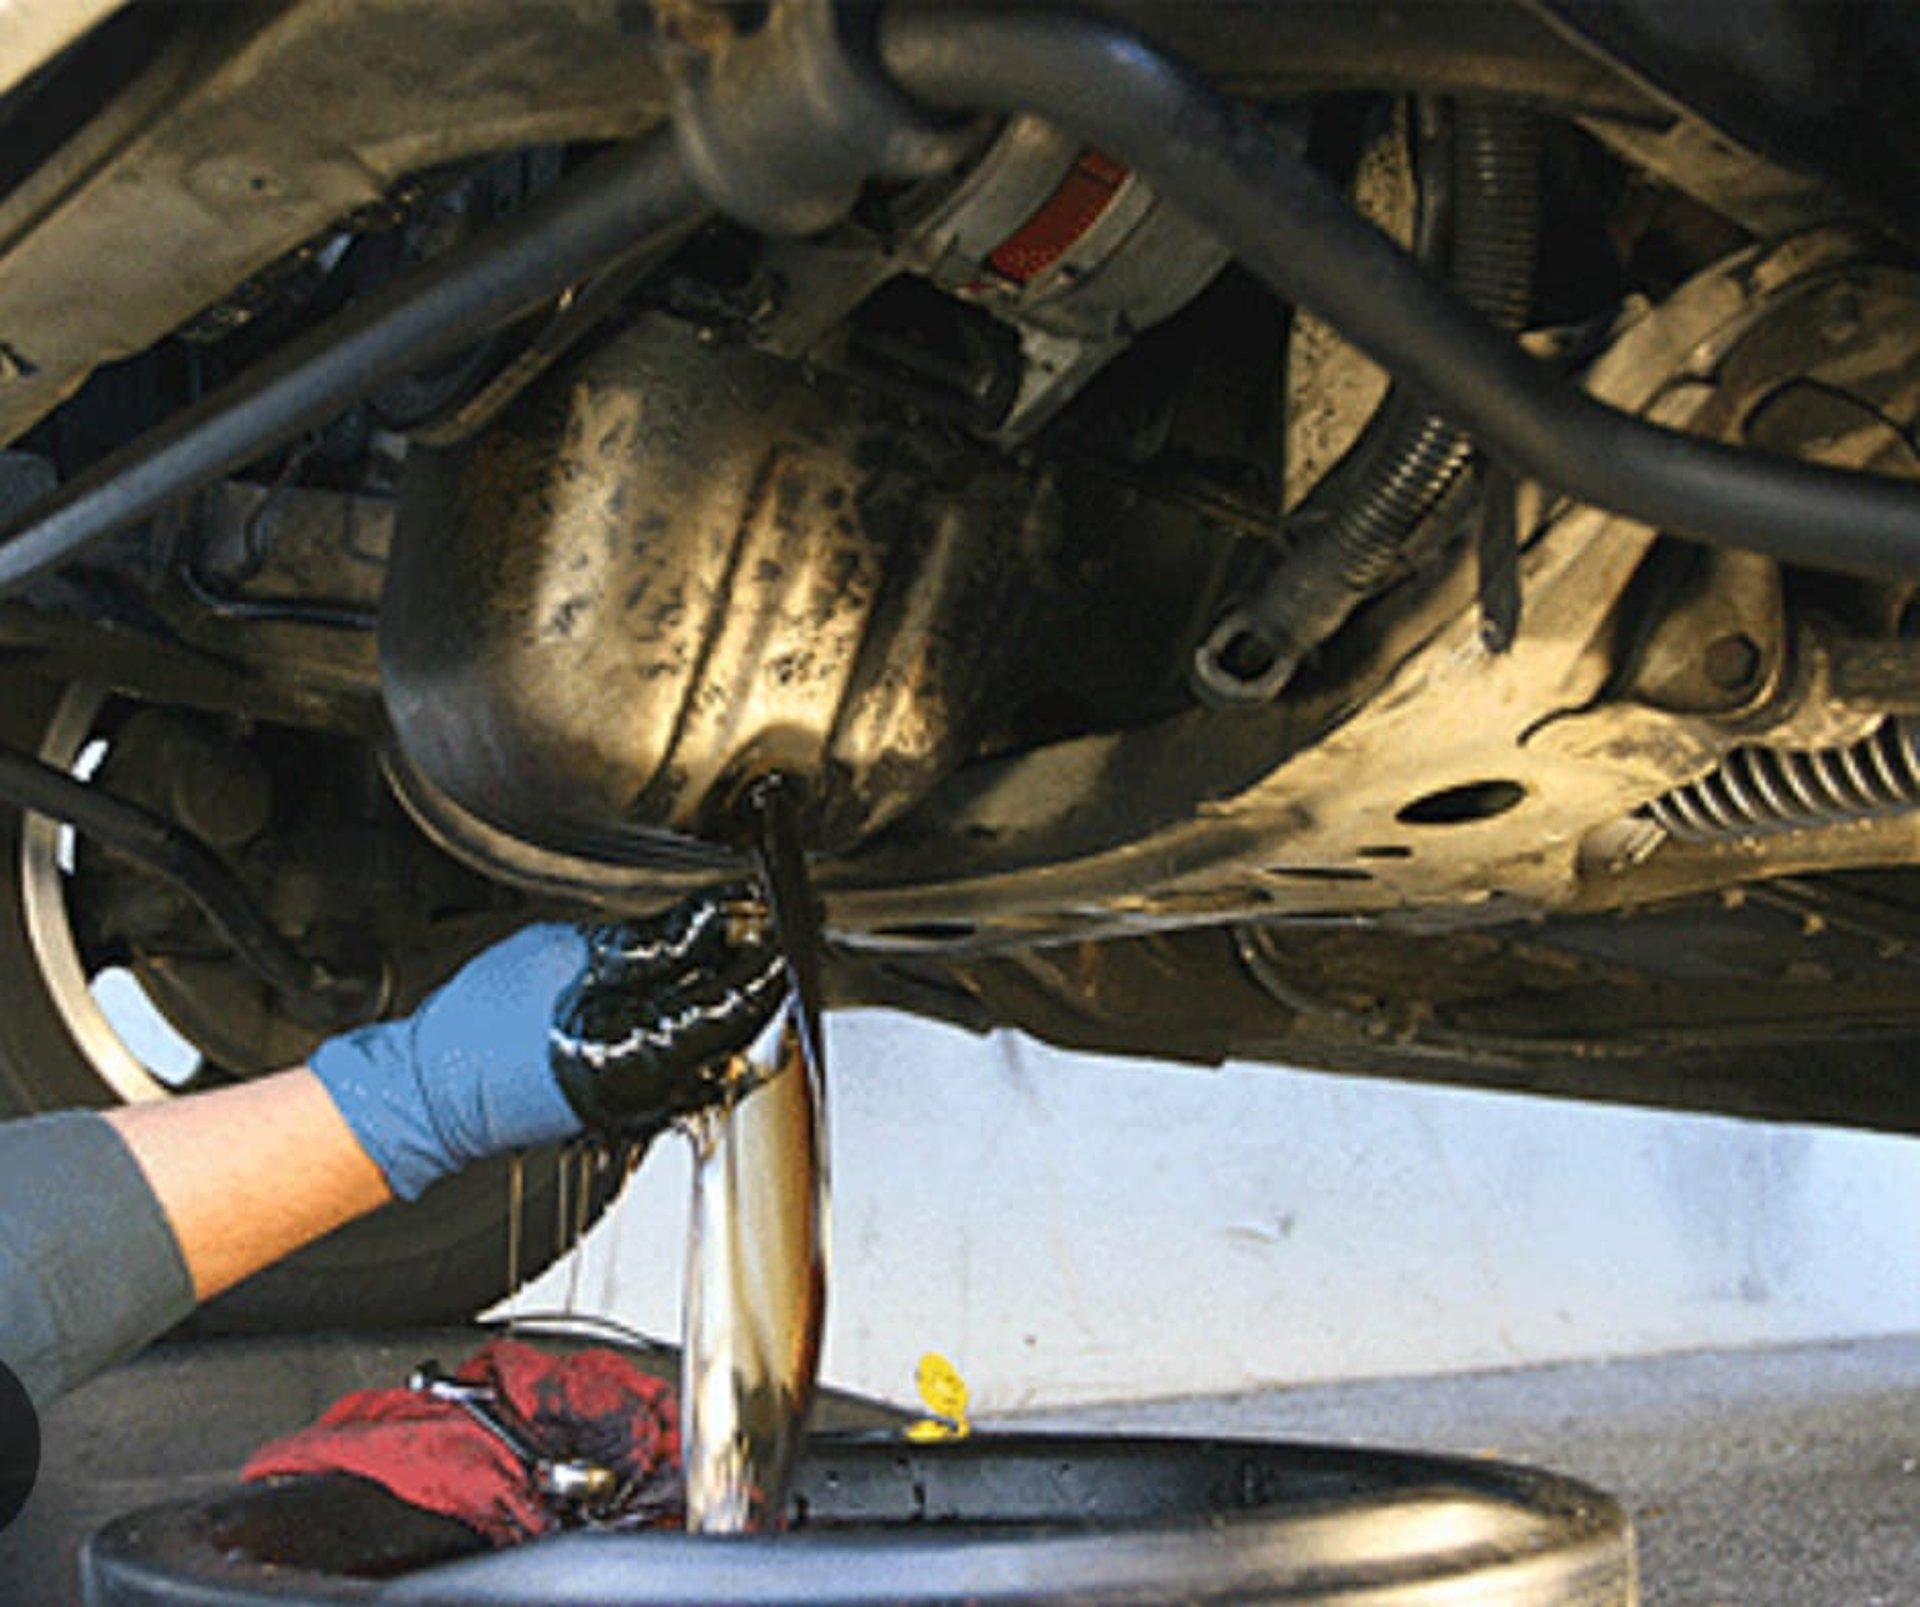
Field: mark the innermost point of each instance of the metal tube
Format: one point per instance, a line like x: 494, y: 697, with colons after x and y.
x: 312, y: 993
x: 624, y: 202
x: 756, y: 1282
x: 1215, y: 160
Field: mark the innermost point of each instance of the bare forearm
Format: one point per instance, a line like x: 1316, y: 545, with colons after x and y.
x: 249, y: 1174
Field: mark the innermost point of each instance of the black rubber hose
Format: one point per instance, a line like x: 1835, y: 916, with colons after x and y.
x: 1351, y: 531
x: 312, y: 993
x: 1295, y: 229
x: 621, y: 203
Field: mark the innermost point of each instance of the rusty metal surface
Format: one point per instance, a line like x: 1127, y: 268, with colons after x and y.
x: 258, y: 129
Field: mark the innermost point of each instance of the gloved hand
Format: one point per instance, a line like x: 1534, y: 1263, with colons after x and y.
x: 644, y: 1036
x: 466, y: 1075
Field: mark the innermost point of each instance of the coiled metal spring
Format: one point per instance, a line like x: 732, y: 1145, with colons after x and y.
x: 1760, y: 792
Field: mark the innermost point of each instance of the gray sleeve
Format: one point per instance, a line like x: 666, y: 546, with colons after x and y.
x: 89, y: 1269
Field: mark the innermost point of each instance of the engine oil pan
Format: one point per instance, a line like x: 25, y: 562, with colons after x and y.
x: 670, y: 568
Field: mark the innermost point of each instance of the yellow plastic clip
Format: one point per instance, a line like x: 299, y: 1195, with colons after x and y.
x: 944, y: 1394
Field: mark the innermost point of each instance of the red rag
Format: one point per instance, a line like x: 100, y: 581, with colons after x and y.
x: 594, y: 1405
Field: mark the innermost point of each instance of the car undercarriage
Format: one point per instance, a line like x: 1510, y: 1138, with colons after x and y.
x: 1386, y: 546
x: 1367, y: 537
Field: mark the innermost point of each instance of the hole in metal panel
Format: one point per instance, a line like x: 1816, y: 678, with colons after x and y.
x: 1462, y: 805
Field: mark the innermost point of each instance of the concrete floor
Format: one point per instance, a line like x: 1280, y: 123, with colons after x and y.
x: 1755, y: 1477
x: 1787, y: 1477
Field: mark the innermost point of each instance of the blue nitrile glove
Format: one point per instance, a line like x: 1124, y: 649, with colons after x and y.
x: 467, y: 1074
